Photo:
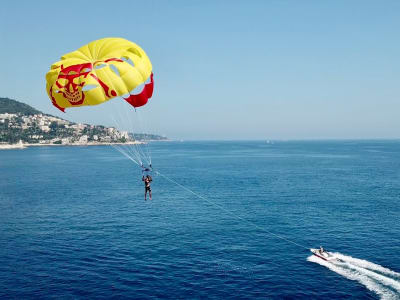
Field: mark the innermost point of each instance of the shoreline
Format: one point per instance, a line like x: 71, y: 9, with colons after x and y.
x: 26, y: 145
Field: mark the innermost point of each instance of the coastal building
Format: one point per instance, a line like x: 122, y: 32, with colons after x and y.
x: 111, y: 130
x: 62, y: 122
x: 65, y: 141
x: 45, y: 128
x: 83, y: 139
x: 106, y: 139
x: 55, y: 140
x: 7, y: 116
x: 124, y: 134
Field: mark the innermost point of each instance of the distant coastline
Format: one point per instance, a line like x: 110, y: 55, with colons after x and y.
x: 21, y: 145
x: 23, y: 126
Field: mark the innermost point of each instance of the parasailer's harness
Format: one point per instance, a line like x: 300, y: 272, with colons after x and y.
x: 146, y: 171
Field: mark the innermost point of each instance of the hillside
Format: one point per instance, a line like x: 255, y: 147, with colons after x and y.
x: 21, y: 122
x: 14, y: 107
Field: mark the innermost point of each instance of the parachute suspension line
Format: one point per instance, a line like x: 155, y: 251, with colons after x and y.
x: 131, y: 148
x: 125, y: 154
x: 139, y: 130
x: 137, y: 146
x: 146, y: 145
x: 231, y: 213
x: 130, y: 153
x: 125, y: 150
x: 118, y: 126
x: 136, y: 149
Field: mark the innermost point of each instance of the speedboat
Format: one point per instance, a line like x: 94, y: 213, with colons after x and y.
x: 323, y: 254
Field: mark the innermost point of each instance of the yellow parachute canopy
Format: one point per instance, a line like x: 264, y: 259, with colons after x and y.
x: 99, y: 71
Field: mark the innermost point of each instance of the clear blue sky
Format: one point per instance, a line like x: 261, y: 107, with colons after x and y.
x: 227, y: 69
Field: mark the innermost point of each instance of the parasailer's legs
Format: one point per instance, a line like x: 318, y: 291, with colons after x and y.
x: 147, y: 189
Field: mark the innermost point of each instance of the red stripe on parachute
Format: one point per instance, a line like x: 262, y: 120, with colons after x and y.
x: 142, y: 98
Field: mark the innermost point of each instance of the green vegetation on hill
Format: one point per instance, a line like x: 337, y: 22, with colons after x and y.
x: 29, y: 125
x: 147, y: 137
x: 14, y: 107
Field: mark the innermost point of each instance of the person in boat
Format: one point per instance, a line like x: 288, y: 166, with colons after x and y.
x: 321, y: 250
x: 147, y: 187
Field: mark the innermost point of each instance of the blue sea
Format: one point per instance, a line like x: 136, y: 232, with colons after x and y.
x: 228, y: 220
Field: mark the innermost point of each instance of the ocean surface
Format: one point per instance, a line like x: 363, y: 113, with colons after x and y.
x: 237, y: 224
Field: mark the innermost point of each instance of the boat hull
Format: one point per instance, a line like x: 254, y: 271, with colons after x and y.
x: 327, y: 256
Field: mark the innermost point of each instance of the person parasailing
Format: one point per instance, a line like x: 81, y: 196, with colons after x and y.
x: 99, y: 71
x: 146, y: 177
x: 147, y: 187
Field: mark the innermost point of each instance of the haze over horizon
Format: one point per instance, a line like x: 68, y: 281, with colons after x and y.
x: 226, y: 70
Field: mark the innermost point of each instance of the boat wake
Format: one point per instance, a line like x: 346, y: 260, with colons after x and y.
x: 382, y: 281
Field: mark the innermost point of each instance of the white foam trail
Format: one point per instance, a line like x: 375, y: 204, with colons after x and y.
x: 367, y: 265
x: 380, y: 280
